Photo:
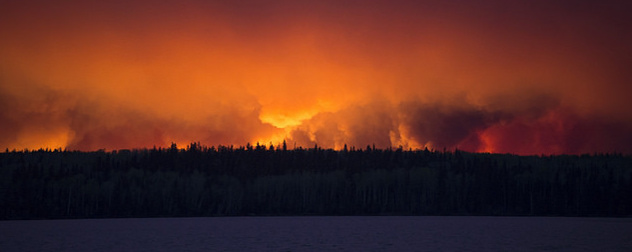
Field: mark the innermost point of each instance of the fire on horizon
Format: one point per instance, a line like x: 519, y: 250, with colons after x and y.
x: 525, y: 77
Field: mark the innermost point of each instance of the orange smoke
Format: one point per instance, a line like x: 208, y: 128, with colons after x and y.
x: 493, y: 76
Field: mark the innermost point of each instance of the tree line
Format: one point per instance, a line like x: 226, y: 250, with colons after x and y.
x: 267, y: 180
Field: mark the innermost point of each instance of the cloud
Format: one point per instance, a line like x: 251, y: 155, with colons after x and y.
x: 492, y: 76
x: 439, y: 127
x: 120, y: 127
x: 33, y: 116
x: 533, y: 124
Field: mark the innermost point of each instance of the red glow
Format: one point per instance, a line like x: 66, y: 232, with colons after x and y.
x: 91, y: 74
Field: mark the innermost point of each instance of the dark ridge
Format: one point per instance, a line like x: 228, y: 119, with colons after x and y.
x: 262, y: 180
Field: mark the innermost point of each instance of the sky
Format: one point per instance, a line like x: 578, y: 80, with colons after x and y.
x: 523, y: 77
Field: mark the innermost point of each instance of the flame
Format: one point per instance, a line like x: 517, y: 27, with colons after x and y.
x: 103, y: 75
x: 42, y: 139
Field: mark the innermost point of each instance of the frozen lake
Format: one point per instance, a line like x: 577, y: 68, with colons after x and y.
x: 366, y: 233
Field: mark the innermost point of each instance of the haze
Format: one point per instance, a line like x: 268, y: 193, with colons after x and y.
x: 530, y: 77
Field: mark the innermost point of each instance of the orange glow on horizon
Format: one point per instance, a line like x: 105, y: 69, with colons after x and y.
x: 491, y: 77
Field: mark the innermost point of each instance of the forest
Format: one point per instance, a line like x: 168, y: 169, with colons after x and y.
x: 265, y: 180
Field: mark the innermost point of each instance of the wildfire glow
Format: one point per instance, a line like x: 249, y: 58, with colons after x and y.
x: 494, y: 76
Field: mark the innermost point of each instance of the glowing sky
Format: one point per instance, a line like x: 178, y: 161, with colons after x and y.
x: 524, y: 77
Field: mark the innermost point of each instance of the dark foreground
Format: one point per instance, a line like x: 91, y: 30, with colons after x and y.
x: 227, y: 181
x: 394, y: 233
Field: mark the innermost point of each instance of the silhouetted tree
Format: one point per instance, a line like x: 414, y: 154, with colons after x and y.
x: 203, y: 181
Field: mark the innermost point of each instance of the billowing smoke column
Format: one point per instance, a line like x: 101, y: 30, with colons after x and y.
x: 541, y: 127
x: 526, y: 78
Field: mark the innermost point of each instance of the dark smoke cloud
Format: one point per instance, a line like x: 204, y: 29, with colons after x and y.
x: 522, y: 123
x: 561, y: 130
x: 31, y: 115
x: 94, y: 127
x: 501, y: 76
x: 442, y: 126
x: 8, y: 122
x: 31, y: 111
x: 115, y: 128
